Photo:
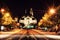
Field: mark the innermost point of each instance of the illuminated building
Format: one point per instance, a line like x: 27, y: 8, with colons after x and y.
x: 27, y: 21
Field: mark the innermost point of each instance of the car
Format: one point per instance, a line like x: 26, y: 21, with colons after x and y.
x: 6, y: 28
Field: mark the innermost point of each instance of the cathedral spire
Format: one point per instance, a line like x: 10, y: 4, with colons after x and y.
x: 31, y: 11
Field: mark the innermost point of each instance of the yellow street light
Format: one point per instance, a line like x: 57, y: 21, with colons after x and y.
x: 52, y: 11
x: 2, y: 10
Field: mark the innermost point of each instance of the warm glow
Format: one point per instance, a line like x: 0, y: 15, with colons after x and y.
x: 7, y: 19
x: 47, y: 15
x: 7, y: 14
x: 52, y: 11
x: 44, y: 18
x: 18, y: 24
x: 2, y: 10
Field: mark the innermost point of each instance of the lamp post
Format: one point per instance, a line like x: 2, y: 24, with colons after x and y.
x: 2, y: 10
x: 52, y: 11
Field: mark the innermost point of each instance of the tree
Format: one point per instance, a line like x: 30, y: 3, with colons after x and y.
x: 51, y: 21
x: 7, y: 19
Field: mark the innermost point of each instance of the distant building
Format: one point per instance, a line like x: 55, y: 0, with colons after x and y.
x: 27, y: 20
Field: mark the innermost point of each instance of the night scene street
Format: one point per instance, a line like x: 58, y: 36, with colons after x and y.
x: 29, y: 19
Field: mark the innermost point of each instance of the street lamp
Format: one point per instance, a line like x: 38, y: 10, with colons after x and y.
x: 2, y: 10
x: 52, y: 10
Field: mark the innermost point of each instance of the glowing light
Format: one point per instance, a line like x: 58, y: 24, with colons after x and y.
x: 47, y: 15
x: 18, y: 24
x: 7, y: 14
x: 52, y: 11
x: 7, y: 19
x: 2, y: 10
x: 41, y: 20
x: 2, y: 27
x: 45, y: 18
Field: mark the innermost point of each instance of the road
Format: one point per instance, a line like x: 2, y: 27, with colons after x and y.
x: 28, y: 32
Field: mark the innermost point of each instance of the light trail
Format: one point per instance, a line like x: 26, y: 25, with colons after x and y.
x: 48, y: 36
x: 31, y: 32
x: 7, y: 34
x: 23, y: 33
x: 44, y: 33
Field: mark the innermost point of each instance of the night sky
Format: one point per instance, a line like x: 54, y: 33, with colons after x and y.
x: 17, y: 7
